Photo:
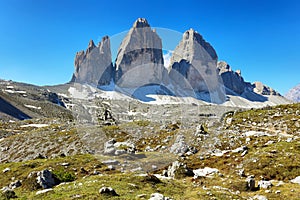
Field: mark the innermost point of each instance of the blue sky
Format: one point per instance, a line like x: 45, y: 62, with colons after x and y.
x: 39, y: 38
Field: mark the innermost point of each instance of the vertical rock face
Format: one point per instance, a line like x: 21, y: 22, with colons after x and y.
x: 94, y: 66
x: 193, y: 66
x: 139, y: 57
x: 262, y: 89
x: 233, y: 81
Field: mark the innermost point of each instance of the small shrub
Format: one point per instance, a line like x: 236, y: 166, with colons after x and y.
x: 64, y: 176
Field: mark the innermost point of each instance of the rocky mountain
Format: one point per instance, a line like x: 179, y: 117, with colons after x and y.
x: 94, y: 66
x: 194, y: 69
x: 193, y: 66
x: 139, y: 60
x: 294, y: 94
x: 235, y: 85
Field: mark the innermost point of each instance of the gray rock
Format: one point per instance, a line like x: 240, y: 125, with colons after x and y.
x: 178, y: 169
x: 108, y: 191
x: 141, y: 50
x: 15, y: 184
x: 205, y: 172
x: 6, y: 170
x: 296, y: 180
x: 109, y: 147
x: 260, y: 197
x: 158, y: 196
x: 46, y: 179
x: 94, y: 66
x: 193, y: 68
x: 180, y: 146
x: 262, y: 89
x: 233, y: 81
x: 250, y: 183
x: 265, y: 184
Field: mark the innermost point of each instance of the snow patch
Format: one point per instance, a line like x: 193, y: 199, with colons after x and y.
x: 34, y: 125
x: 31, y: 106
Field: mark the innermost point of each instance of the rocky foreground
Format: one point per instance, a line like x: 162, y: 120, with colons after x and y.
x: 117, y: 149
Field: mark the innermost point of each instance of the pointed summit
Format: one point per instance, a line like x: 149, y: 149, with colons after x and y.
x: 94, y: 66
x: 194, y: 61
x: 140, y: 47
x: 141, y: 23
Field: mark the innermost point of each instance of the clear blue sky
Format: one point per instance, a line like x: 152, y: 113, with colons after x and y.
x: 39, y: 38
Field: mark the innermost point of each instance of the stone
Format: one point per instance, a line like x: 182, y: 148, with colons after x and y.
x: 158, y: 196
x: 205, y: 172
x: 94, y: 66
x: 250, y: 183
x: 296, y: 180
x: 265, y: 184
x: 193, y: 68
x: 6, y: 170
x: 15, y: 184
x: 109, y: 147
x: 260, y: 197
x: 44, y: 191
x: 179, y: 146
x: 46, y: 179
x: 108, y: 191
x: 8, y: 193
x: 178, y: 170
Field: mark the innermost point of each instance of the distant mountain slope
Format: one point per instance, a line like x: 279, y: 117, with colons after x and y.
x: 24, y: 101
x: 294, y: 94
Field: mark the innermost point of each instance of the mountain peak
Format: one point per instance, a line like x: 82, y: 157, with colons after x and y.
x: 91, y: 46
x: 141, y: 23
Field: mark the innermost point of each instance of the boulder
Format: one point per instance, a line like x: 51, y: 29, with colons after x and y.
x: 178, y: 170
x: 108, y: 191
x: 205, y: 172
x: 264, y: 184
x: 46, y: 179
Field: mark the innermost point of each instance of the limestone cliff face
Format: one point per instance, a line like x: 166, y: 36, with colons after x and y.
x: 193, y: 66
x: 139, y: 59
x: 94, y: 66
x: 233, y: 81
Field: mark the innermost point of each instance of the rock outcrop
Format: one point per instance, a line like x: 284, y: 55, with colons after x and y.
x: 233, y: 81
x: 262, y: 89
x: 193, y: 66
x: 235, y: 85
x: 139, y: 60
x: 94, y: 66
x: 294, y: 94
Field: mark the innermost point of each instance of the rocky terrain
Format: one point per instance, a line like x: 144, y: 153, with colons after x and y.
x: 123, y: 131
x: 294, y: 94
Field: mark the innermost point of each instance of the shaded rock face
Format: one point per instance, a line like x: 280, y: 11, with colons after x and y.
x: 235, y: 84
x: 262, y: 89
x: 232, y: 80
x: 294, y: 94
x: 94, y: 66
x: 139, y: 60
x: 193, y: 66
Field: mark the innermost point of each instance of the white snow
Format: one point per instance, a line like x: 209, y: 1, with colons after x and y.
x: 296, y: 180
x: 34, y: 125
x: 12, y: 91
x: 31, y: 106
